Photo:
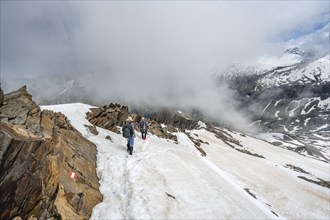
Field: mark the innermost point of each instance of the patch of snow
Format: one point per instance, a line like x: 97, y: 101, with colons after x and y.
x: 276, y: 103
x: 321, y: 128
x: 294, y: 129
x: 201, y: 124
x: 322, y: 137
x: 292, y: 111
x: 265, y: 108
x: 306, y: 121
x: 255, y: 122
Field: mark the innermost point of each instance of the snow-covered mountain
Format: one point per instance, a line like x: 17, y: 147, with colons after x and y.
x: 300, y: 73
x: 237, y: 177
x: 291, y: 101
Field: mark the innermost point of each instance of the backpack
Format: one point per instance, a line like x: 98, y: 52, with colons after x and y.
x: 143, y: 125
x: 127, y: 131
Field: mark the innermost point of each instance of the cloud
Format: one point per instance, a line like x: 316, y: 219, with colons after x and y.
x: 159, y: 53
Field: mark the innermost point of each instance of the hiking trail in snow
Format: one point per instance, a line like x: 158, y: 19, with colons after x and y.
x: 165, y: 180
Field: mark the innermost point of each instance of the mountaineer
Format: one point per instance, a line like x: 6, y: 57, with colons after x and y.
x: 128, y: 132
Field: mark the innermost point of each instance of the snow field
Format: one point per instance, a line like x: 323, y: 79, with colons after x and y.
x: 288, y: 196
x: 164, y: 180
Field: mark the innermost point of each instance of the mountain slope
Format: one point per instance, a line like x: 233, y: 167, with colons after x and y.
x: 240, y: 176
x: 291, y: 103
x: 316, y: 72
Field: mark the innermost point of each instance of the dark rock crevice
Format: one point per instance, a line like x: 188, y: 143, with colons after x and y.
x: 320, y: 182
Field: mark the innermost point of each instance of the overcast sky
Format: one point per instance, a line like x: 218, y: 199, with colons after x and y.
x: 159, y: 52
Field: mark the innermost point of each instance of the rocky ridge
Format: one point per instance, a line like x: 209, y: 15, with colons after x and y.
x: 177, y: 120
x: 38, y: 151
x: 113, y: 116
x: 108, y: 116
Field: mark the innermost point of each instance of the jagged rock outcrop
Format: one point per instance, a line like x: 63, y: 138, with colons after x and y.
x: 108, y: 116
x: 92, y: 129
x: 162, y: 131
x: 176, y: 120
x: 38, y: 150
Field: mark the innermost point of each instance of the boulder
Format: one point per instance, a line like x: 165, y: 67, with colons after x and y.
x: 38, y: 151
x: 92, y: 129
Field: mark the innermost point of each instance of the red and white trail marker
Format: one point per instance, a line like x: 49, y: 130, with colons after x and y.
x: 73, y: 175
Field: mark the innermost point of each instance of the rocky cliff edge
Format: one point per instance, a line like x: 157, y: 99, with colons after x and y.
x: 47, y: 169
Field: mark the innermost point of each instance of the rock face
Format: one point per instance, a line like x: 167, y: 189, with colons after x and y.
x: 176, y: 120
x: 38, y: 150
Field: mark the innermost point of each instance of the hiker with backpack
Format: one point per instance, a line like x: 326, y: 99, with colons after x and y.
x: 128, y: 132
x: 143, y: 128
